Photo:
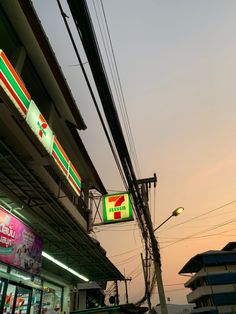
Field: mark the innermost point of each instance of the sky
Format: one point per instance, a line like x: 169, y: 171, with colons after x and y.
x: 177, y: 66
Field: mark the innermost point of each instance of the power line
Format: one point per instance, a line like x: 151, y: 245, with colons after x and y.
x: 175, y: 284
x: 203, y: 236
x: 203, y: 231
x: 201, y: 215
x: 126, y: 252
x: 122, y: 103
x: 92, y: 95
x: 125, y: 261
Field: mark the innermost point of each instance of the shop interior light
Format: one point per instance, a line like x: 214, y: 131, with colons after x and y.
x: 52, y: 259
x: 22, y: 277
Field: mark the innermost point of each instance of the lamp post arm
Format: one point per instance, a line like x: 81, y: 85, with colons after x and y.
x: 162, y: 223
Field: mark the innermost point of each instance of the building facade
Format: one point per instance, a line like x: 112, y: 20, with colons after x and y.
x: 213, y: 281
x: 46, y: 177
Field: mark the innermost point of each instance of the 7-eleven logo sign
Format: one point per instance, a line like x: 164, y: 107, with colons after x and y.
x: 42, y: 124
x: 117, y: 208
x: 39, y: 126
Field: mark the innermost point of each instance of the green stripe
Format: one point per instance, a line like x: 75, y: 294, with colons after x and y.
x: 59, y: 155
x: 6, y: 251
x: 104, y: 209
x: 74, y: 176
x: 14, y: 84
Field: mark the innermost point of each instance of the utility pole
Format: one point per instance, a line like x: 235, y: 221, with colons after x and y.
x: 147, y: 284
x: 154, y: 244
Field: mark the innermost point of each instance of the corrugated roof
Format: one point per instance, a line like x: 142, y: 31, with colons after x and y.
x: 210, y: 258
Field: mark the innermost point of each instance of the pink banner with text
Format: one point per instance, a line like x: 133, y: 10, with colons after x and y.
x: 19, y: 245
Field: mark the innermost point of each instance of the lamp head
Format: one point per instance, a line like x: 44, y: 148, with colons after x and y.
x: 177, y: 211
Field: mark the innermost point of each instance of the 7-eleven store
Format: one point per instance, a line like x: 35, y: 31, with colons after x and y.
x: 45, y: 177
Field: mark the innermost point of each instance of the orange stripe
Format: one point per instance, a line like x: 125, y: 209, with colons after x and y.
x: 13, y: 72
x: 113, y: 198
x: 59, y: 162
x: 13, y: 94
x: 74, y: 184
x: 61, y: 149
x: 73, y: 168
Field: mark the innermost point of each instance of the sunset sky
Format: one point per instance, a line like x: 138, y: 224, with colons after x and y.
x: 177, y: 65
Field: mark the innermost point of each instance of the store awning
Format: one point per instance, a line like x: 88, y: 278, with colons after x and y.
x: 29, y: 199
x: 25, y: 168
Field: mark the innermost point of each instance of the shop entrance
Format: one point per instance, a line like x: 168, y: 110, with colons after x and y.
x: 19, y: 299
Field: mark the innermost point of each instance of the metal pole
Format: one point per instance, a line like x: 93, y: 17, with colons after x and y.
x: 162, y: 223
x: 117, y: 293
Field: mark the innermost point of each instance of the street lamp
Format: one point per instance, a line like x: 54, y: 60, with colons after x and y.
x: 175, y: 213
x: 157, y: 263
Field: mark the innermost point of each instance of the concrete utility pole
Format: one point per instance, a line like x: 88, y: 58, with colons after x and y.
x: 147, y: 284
x: 154, y: 245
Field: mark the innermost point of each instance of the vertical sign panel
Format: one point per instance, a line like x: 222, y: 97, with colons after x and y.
x: 117, y: 208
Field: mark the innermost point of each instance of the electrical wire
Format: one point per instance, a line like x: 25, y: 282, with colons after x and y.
x: 200, y: 232
x: 93, y: 96
x: 127, y: 260
x: 199, y: 216
x: 126, y: 252
x: 122, y: 102
x: 203, y: 236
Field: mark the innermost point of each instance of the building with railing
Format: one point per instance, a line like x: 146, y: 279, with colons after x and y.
x: 212, y: 281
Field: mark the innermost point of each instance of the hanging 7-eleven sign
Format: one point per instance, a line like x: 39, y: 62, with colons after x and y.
x: 117, y: 208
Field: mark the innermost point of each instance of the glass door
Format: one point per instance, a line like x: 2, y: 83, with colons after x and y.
x: 22, y: 300
x: 9, y: 299
x: 2, y: 286
x: 36, y: 301
x: 16, y: 299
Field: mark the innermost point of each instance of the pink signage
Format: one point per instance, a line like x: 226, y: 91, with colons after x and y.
x: 19, y: 245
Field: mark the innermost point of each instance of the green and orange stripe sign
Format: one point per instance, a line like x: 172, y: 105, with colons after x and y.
x: 12, y: 85
x: 66, y: 165
x: 74, y: 178
x: 60, y: 156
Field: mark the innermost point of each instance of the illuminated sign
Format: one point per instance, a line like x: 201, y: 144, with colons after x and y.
x: 39, y: 126
x: 74, y: 179
x: 13, y: 86
x: 60, y: 156
x: 117, y: 208
x: 66, y: 165
x: 19, y: 245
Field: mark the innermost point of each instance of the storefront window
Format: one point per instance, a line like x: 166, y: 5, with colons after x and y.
x: 18, y: 275
x: 36, y: 300
x: 9, y: 300
x: 2, y: 284
x: 3, y: 268
x: 22, y: 300
x: 52, y: 298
